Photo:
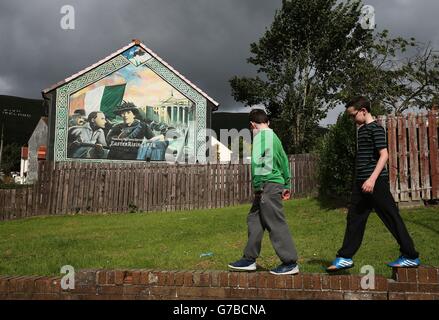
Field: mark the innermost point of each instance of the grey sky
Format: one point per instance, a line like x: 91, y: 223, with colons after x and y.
x: 206, y: 40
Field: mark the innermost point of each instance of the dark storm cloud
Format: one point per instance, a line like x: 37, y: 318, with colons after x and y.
x: 406, y: 18
x: 206, y: 40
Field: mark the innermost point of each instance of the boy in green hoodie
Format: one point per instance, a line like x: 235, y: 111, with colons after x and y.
x: 271, y: 183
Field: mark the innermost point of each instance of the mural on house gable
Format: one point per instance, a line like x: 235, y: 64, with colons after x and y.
x: 132, y: 114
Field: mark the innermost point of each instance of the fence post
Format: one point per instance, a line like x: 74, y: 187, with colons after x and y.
x: 434, y: 161
x: 424, y: 157
x: 413, y: 156
x: 402, y: 147
x: 393, y: 156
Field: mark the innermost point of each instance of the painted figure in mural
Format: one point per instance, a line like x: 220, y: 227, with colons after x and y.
x: 132, y: 126
x: 125, y: 139
x: 169, y: 139
x: 78, y: 118
x: 88, y: 141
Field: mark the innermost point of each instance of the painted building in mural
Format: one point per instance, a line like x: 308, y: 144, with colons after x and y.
x: 130, y: 106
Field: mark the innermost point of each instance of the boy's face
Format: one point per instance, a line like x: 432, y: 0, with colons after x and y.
x: 359, y: 116
x: 253, y: 127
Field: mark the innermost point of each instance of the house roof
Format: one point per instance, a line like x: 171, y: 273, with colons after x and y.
x: 111, y: 56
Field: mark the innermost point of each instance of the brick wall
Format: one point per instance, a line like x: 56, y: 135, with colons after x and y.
x: 406, y: 284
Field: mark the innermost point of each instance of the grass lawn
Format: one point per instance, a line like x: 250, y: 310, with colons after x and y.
x: 175, y: 240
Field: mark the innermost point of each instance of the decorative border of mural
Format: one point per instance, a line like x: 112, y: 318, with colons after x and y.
x: 63, y: 94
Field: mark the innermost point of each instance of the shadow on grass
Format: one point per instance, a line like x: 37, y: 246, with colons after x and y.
x: 424, y: 225
x: 324, y: 264
x: 431, y: 203
x: 332, y: 203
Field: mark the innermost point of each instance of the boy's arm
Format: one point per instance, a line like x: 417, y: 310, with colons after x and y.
x: 285, y: 166
x: 256, y: 163
x: 369, y: 184
x: 379, y: 139
x: 256, y: 179
x: 384, y: 156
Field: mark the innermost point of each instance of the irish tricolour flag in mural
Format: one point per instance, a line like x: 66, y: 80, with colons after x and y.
x: 103, y: 98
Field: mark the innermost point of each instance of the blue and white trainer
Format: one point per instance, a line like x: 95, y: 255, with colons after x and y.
x: 403, y: 262
x: 285, y: 269
x: 340, y: 264
x: 243, y: 265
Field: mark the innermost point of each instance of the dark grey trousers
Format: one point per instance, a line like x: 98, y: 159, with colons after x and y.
x: 267, y: 213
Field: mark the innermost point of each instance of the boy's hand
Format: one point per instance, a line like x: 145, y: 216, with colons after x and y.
x: 368, y: 185
x: 286, y: 194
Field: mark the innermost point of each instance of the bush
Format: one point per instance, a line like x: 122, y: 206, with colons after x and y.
x: 11, y: 156
x: 337, y: 160
x: 14, y: 186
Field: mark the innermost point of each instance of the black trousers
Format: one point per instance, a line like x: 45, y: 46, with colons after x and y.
x: 361, y: 206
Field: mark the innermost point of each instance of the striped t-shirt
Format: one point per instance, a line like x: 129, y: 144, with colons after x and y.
x: 371, y: 139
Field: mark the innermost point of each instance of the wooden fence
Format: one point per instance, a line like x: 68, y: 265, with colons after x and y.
x: 413, y: 156
x: 71, y: 187
x: 74, y: 187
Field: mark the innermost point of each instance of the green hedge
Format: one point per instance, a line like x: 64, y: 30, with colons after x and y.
x: 337, y: 159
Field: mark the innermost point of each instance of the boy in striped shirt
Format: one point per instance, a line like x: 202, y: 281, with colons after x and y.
x: 371, y: 191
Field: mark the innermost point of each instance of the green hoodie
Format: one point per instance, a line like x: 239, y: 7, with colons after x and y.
x: 269, y: 161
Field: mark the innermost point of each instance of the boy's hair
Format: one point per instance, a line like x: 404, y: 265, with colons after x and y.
x: 258, y: 116
x: 359, y: 103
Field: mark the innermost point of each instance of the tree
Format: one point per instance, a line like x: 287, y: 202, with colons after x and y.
x: 316, y: 55
x: 336, y: 153
x: 396, y: 74
x: 419, y: 83
x: 10, y: 158
x: 299, y: 61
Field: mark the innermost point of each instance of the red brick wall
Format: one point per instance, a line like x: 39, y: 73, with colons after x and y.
x: 406, y: 284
